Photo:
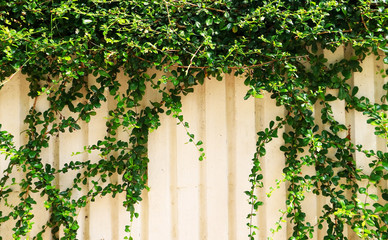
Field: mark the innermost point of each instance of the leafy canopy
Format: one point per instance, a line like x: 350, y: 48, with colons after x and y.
x: 275, y: 45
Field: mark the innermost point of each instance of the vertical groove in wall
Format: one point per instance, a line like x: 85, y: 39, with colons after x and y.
x: 114, y: 214
x: 54, y: 152
x: 379, y: 92
x: 188, y: 168
x: 338, y: 107
x: 320, y: 200
x: 272, y: 165
x: 349, y: 116
x: 385, y: 81
x: 217, y: 165
x: 272, y: 169
x: 231, y: 153
x: 114, y: 217
x: 202, y: 168
x: 364, y: 133
x: 259, y: 111
x: 377, y: 88
x: 144, y: 206
x: 56, y: 164
x: 25, y: 104
x: 83, y: 215
x: 245, y: 146
x: 384, y: 184
x: 349, y: 119
x: 259, y: 220
x: 101, y: 208
x: 145, y: 202
x: 85, y: 156
x: 173, y: 180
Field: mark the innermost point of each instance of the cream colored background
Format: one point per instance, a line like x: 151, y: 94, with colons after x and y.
x: 189, y: 199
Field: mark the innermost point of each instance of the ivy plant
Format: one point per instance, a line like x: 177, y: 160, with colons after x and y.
x: 275, y: 45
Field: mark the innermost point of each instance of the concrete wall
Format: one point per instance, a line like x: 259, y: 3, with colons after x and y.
x: 189, y: 199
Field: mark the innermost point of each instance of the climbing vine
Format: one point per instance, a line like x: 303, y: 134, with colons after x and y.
x: 275, y: 45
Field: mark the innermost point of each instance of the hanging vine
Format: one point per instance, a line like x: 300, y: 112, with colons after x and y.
x: 275, y: 45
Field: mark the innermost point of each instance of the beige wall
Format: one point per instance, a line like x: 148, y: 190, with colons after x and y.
x: 189, y: 199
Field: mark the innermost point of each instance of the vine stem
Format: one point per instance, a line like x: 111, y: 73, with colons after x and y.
x: 192, y: 58
x: 245, y: 66
x: 14, y: 74
x: 254, y: 182
x: 194, y: 5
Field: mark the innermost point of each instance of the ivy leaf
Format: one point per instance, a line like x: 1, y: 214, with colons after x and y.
x: 209, y: 21
x: 373, y: 197
x: 103, y: 73
x: 385, y: 165
x: 385, y: 196
x: 384, y: 49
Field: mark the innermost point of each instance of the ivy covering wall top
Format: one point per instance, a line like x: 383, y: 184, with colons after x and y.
x: 275, y: 45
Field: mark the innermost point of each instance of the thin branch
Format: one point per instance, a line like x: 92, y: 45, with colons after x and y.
x: 168, y: 13
x: 192, y: 58
x: 35, y: 101
x: 18, y: 70
x: 363, y: 22
x: 327, y: 32
x: 195, y: 5
x: 243, y: 67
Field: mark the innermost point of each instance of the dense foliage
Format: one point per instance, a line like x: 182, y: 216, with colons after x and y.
x: 275, y: 45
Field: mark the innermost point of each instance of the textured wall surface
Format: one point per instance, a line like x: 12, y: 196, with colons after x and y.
x: 189, y: 199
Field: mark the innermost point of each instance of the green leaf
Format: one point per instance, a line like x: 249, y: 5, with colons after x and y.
x: 370, y: 222
x: 209, y: 21
x: 74, y: 226
x: 283, y: 148
x: 32, y: 154
x: 257, y: 204
x: 384, y: 49
x: 341, y: 93
x: 103, y: 73
x: 373, y: 197
x: 355, y: 91
x: 385, y: 196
